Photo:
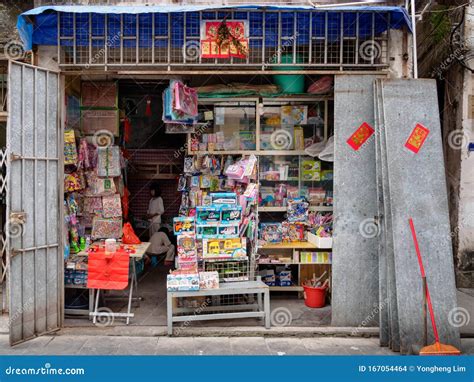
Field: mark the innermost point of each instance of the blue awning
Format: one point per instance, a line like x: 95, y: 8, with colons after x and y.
x: 39, y: 26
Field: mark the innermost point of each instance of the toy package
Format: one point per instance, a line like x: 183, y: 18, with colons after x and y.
x: 311, y: 169
x: 209, y: 280
x: 224, y: 248
x: 271, y: 232
x: 231, y: 214
x: 186, y: 248
x: 268, y: 276
x: 183, y: 225
x: 297, y: 210
x: 182, y: 282
x: 206, y: 215
x: 283, y: 278
x: 223, y: 198
x: 293, y: 232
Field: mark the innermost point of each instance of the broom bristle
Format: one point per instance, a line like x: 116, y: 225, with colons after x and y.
x: 439, y: 349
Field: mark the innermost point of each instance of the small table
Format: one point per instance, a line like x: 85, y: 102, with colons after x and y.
x: 244, y: 287
x: 140, y: 250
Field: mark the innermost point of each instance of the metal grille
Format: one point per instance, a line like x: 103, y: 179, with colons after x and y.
x: 315, y: 39
x: 229, y: 271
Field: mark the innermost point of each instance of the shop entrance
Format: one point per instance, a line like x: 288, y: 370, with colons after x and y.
x: 235, y: 121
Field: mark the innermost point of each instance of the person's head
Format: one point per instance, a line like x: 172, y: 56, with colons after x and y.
x: 155, y: 190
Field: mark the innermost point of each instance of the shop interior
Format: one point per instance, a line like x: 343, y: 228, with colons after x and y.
x: 119, y: 145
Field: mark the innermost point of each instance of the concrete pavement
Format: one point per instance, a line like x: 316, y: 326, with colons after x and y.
x: 125, y: 345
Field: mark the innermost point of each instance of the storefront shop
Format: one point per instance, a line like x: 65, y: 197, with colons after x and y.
x: 229, y: 115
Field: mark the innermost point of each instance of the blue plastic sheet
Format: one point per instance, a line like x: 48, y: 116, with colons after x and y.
x: 39, y: 26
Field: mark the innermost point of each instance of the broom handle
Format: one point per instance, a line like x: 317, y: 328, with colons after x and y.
x: 422, y: 270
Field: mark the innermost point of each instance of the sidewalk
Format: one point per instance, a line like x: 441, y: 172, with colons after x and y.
x: 116, y: 345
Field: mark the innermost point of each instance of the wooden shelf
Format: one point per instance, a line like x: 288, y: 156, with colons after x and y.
x: 283, y: 209
x: 293, y: 288
x: 289, y: 179
x: 249, y: 152
x: 299, y: 263
x: 295, y: 245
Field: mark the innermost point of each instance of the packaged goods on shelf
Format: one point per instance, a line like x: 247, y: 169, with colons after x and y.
x: 182, y: 282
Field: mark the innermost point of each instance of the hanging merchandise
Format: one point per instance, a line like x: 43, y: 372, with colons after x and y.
x: 185, y: 99
x: 74, y: 182
x: 111, y: 206
x: 127, y: 130
x: 125, y: 202
x: 93, y: 205
x: 108, y: 163
x: 178, y: 100
x: 99, y: 186
x: 87, y: 157
x: 103, y: 228
x: 148, y: 107
x: 70, y: 151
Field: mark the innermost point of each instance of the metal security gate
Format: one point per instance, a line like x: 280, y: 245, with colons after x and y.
x: 33, y: 213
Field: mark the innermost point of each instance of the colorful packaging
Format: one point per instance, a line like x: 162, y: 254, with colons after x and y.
x: 186, y: 248
x: 209, y: 280
x: 219, y: 198
x: 297, y: 210
x: 271, y: 232
x: 224, y: 248
x: 293, y: 232
x: 311, y: 169
x: 176, y: 282
x: 206, y: 215
x: 231, y: 214
x: 184, y: 225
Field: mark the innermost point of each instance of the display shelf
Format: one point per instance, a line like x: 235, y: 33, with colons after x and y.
x: 294, y: 263
x: 283, y: 209
x: 290, y: 179
x: 215, y: 259
x: 294, y: 245
x: 292, y: 288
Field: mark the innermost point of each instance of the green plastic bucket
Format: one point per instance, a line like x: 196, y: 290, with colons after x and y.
x: 289, y: 83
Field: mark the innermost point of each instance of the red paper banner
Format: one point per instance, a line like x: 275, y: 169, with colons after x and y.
x: 211, y: 49
x: 108, y: 271
x: 360, y: 136
x: 417, y: 138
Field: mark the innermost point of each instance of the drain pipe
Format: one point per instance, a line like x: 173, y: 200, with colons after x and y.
x: 413, y: 26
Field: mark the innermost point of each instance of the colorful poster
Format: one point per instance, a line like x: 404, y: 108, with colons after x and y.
x: 360, y: 136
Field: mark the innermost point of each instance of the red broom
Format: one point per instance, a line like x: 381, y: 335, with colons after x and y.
x: 437, y: 348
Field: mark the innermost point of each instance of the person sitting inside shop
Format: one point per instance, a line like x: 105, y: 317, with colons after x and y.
x: 155, y: 209
x: 160, y: 243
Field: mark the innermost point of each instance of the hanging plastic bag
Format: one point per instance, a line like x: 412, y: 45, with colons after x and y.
x: 129, y: 236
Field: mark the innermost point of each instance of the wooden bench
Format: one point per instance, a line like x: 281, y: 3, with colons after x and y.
x: 260, y: 309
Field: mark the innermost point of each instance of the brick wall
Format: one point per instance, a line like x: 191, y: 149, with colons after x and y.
x: 139, y: 188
